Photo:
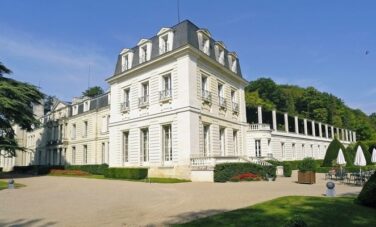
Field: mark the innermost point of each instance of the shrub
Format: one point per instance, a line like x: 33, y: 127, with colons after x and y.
x: 126, y: 173
x: 332, y: 153
x: 296, y: 221
x: 225, y: 171
x: 307, y: 164
x: 1, y: 169
x: 287, y: 171
x: 35, y: 169
x: 93, y: 169
x: 367, y: 196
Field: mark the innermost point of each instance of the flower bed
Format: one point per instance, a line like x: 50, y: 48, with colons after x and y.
x: 68, y: 172
x: 245, y: 177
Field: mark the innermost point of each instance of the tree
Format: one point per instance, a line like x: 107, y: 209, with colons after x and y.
x: 16, y: 108
x: 93, y: 91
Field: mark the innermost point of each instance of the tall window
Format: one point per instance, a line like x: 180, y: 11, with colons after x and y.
x: 235, y: 141
x: 206, y: 95
x: 167, y: 143
x: 73, y: 155
x: 73, y: 131
x: 103, y: 153
x: 145, y: 145
x: 85, y: 129
x: 222, y: 100
x: 144, y: 100
x: 206, y: 140
x: 125, y: 104
x: 258, y: 148
x: 125, y: 146
x: 166, y: 87
x: 222, y: 141
x: 84, y: 154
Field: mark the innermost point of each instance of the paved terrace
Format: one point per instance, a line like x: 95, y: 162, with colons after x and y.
x: 68, y: 201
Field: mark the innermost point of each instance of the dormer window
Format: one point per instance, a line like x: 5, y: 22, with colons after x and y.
x: 204, y: 40
x: 144, y: 50
x: 75, y: 110
x: 220, y: 52
x: 143, y: 53
x: 165, y: 40
x: 232, y: 62
x: 126, y: 59
x: 86, y: 106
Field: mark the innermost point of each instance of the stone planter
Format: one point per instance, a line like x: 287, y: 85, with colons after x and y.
x: 307, y: 177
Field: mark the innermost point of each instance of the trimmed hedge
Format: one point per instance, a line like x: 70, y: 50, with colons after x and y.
x: 35, y: 169
x: 332, y: 153
x: 287, y: 170
x: 92, y: 169
x: 225, y: 171
x: 126, y: 173
x: 349, y: 169
x: 367, y: 196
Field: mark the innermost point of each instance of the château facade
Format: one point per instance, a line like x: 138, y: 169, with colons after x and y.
x: 176, y: 106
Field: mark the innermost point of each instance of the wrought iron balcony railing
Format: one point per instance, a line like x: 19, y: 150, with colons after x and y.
x: 222, y: 102
x: 143, y: 101
x: 165, y: 95
x: 206, y: 96
x: 124, y: 106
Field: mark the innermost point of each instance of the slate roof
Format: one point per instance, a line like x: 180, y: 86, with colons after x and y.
x: 184, y: 33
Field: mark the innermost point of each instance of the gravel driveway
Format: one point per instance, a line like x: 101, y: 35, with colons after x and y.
x: 69, y: 201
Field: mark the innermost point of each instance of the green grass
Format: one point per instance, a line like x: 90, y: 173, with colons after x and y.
x: 4, y: 185
x: 152, y: 179
x: 315, y: 211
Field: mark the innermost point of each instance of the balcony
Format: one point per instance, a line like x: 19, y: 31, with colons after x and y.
x: 165, y: 95
x: 124, y: 106
x: 222, y: 102
x: 257, y: 127
x: 235, y: 107
x: 206, y: 96
x: 143, y: 101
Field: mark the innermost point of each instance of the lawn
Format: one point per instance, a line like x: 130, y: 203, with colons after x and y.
x: 4, y: 185
x: 315, y: 211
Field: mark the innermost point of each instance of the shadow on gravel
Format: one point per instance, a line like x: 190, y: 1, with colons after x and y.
x: 26, y: 223
x: 189, y: 216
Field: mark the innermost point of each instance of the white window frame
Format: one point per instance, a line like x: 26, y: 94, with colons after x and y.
x: 144, y: 98
x: 222, y: 140
x: 125, y: 146
x: 235, y: 141
x: 74, y: 131
x: 167, y: 154
x: 84, y: 154
x: 258, y: 152
x: 125, y: 105
x: 206, y: 140
x: 166, y: 91
x: 86, y: 129
x: 144, y: 151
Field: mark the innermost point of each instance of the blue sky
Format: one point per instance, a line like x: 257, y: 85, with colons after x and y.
x: 309, y: 43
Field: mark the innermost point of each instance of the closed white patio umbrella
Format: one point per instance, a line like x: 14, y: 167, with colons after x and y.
x: 373, y: 158
x: 341, y: 159
x: 360, y: 160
